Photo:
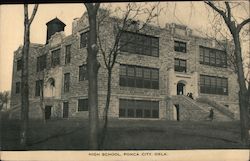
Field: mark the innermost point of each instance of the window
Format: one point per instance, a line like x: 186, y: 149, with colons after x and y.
x: 84, y: 39
x: 180, y: 46
x: 140, y: 77
x: 83, y: 73
x: 55, y: 57
x: 138, y: 109
x: 213, y: 85
x: 41, y: 63
x: 19, y: 64
x: 213, y: 57
x: 180, y: 65
x: 67, y: 54
x: 139, y: 44
x: 18, y: 87
x: 66, y: 82
x: 39, y: 87
x: 83, y: 105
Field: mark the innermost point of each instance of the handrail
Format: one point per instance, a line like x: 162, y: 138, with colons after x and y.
x: 191, y: 101
x: 216, y: 105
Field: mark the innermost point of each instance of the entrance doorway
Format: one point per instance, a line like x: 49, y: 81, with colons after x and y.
x: 180, y: 88
x: 177, y: 112
x: 47, y: 112
x: 65, y: 109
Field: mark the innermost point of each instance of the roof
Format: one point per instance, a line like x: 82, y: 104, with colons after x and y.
x: 56, y: 20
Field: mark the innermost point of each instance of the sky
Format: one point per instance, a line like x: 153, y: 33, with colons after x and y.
x: 195, y: 15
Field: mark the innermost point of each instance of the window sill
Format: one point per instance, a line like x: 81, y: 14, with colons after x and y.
x: 136, y: 88
x: 217, y: 95
x: 182, y: 74
x: 215, y: 66
x: 130, y: 118
x: 129, y: 53
x: 177, y: 72
x: 180, y: 52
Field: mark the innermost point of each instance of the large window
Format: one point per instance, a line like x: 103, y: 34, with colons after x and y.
x: 83, y: 39
x: 140, y: 77
x: 18, y: 87
x: 41, y: 63
x: 180, y: 46
x: 19, y: 64
x: 66, y: 82
x: 139, y: 43
x: 39, y: 87
x: 138, y: 109
x: 213, y: 85
x: 83, y: 73
x: 180, y: 65
x: 67, y: 54
x: 55, y: 57
x: 83, y: 105
x: 213, y: 57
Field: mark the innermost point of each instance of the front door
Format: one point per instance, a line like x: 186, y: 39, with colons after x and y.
x: 47, y: 112
x: 65, y: 109
x: 180, y: 88
x: 177, y: 112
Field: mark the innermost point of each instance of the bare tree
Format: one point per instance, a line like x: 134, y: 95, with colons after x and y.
x: 129, y: 15
x: 41, y: 86
x: 25, y: 74
x: 92, y: 70
x: 225, y: 11
x: 4, y: 99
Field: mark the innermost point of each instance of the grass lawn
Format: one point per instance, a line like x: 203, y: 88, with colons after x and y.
x: 124, y: 135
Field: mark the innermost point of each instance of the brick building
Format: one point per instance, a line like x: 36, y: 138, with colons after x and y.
x: 157, y: 68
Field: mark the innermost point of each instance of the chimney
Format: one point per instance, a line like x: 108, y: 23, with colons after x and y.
x: 54, y: 26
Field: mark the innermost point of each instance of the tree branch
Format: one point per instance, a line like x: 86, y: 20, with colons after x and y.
x: 222, y: 13
x: 33, y: 14
x: 96, y: 6
x: 88, y: 6
x: 228, y: 11
x: 26, y: 18
x: 239, y: 27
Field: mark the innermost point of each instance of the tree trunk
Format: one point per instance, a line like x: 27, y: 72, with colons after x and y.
x: 41, y: 102
x: 106, y: 110
x: 25, y: 85
x: 92, y: 68
x: 243, y: 93
x: 244, y: 101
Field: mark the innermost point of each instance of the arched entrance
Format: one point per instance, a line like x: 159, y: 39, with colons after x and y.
x: 181, y: 88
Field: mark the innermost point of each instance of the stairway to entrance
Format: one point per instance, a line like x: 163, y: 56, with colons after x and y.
x: 199, y: 109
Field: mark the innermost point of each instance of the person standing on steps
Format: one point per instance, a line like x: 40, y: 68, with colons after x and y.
x: 211, y: 114
x: 191, y: 95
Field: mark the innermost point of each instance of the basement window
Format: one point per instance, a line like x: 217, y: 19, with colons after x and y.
x: 138, y: 108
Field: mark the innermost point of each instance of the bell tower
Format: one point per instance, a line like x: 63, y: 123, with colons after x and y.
x: 54, y: 26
